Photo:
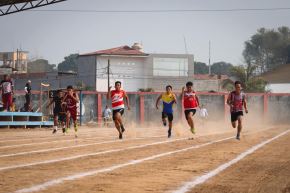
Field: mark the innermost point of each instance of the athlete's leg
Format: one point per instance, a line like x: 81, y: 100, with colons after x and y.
x: 240, y: 126
x: 190, y: 122
x: 68, y: 116
x: 55, y: 123
x: 117, y: 118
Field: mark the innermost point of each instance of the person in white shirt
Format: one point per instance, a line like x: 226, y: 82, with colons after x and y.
x: 107, y: 115
x: 203, y: 114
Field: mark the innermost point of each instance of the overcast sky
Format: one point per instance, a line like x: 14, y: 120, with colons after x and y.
x: 54, y: 35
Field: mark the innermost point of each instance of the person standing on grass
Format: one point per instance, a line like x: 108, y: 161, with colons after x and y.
x: 237, y: 101
x: 7, y: 92
x: 190, y: 104
x: 118, y: 106
x: 71, y: 99
x: 168, y: 99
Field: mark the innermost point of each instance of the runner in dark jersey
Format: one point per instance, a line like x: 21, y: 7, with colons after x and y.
x: 237, y: 101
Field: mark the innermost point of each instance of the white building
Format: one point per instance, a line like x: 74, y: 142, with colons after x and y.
x: 134, y: 68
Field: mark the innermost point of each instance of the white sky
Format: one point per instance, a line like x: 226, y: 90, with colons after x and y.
x: 54, y: 35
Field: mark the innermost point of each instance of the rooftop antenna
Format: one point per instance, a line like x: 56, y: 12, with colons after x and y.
x: 209, y: 67
x: 185, y: 46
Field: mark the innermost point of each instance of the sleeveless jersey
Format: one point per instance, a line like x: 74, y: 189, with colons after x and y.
x: 117, y: 99
x: 70, y: 102
x: 168, y: 101
x: 237, y: 101
x: 190, y: 100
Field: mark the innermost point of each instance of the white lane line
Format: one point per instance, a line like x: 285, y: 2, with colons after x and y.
x: 201, y: 179
x: 81, y: 145
x: 84, y: 133
x: 55, y: 141
x: 47, y: 184
x: 88, y: 155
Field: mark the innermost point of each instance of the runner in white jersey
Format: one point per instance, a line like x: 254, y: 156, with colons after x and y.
x: 118, y: 106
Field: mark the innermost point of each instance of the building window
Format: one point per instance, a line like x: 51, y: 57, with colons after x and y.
x: 170, y: 66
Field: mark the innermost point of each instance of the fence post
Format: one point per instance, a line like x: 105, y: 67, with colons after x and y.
x: 265, y: 106
x: 142, y: 110
x: 99, y: 98
x: 81, y: 109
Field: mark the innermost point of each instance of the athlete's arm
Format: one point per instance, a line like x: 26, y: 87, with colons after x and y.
x: 50, y: 103
x: 109, y: 93
x: 229, y: 100
x: 157, y: 101
x: 76, y: 98
x: 174, y: 97
x: 127, y: 100
x: 64, y: 98
x: 182, y: 92
x: 197, y: 100
x: 245, y: 105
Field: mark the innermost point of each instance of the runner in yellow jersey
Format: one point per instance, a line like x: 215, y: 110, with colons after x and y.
x: 168, y: 99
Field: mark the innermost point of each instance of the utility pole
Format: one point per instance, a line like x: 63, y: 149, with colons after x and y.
x: 209, y: 67
x: 108, y: 73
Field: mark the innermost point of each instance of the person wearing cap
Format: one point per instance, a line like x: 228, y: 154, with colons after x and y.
x: 28, y: 96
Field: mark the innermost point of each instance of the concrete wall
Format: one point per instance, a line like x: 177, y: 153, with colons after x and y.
x: 53, y: 79
x: 128, y: 70
x: 263, y: 108
x: 87, y: 71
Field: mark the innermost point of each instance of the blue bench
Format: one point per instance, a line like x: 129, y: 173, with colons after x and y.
x: 23, y: 119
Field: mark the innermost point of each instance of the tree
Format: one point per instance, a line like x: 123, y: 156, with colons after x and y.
x: 267, y: 49
x: 69, y: 63
x: 250, y: 83
x: 40, y: 65
x: 200, y: 68
x: 221, y: 68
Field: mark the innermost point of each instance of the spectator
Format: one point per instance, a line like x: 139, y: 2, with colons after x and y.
x: 28, y: 96
x: 7, y: 92
x: 107, y: 113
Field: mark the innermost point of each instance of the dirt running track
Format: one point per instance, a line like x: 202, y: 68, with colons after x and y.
x: 37, y: 161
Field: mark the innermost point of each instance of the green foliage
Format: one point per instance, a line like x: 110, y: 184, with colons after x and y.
x: 200, y: 68
x: 40, y: 65
x: 250, y: 83
x: 146, y: 90
x: 221, y: 68
x: 267, y: 49
x: 69, y: 63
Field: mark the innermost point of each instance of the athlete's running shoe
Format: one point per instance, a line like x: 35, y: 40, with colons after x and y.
x: 164, y: 123
x: 238, y: 137
x: 192, y: 130
x: 63, y: 130
x: 169, y: 133
x: 54, y: 131
x: 66, y: 130
x: 120, y: 136
x: 122, y: 128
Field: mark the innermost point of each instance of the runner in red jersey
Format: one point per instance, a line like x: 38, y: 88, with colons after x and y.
x: 118, y: 106
x: 237, y: 100
x: 190, y: 104
x: 71, y: 99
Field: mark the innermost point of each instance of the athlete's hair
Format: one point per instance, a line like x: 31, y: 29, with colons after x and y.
x: 118, y: 82
x: 238, y: 82
x: 189, y: 83
x: 168, y: 86
x: 69, y: 87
